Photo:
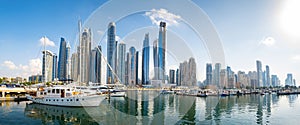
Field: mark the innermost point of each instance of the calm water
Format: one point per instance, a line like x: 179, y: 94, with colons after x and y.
x: 148, y: 107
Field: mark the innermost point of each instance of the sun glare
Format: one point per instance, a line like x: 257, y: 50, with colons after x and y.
x: 290, y: 17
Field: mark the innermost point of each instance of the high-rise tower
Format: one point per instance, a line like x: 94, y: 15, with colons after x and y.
x: 208, y: 74
x: 145, y: 60
x: 162, y: 50
x: 62, y: 61
x: 84, y: 59
x: 111, y: 52
x: 121, y: 62
x: 259, y: 73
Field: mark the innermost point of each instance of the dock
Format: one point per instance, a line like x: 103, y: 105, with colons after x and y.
x: 13, y: 94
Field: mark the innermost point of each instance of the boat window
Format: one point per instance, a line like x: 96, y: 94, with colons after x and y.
x: 46, y: 100
x: 82, y: 99
x: 56, y: 99
x: 70, y: 99
x: 45, y: 93
x: 67, y: 100
x: 62, y: 100
x: 77, y: 99
x: 53, y: 90
x: 41, y: 93
x: 57, y: 90
x: 49, y: 91
x: 68, y: 89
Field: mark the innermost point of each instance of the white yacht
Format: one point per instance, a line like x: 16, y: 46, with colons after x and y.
x: 115, y: 90
x: 65, y: 96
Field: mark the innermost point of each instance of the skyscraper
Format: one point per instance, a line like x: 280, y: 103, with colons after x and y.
x: 62, y: 61
x: 74, y: 66
x: 132, y: 67
x: 95, y: 65
x: 84, y: 59
x: 145, y: 60
x: 208, y: 74
x: 216, y: 75
x: 92, y: 74
x: 137, y: 67
x: 111, y: 52
x: 259, y: 73
x: 155, y: 60
x: 47, y: 68
x: 172, y: 76
x: 68, y: 55
x: 289, y: 80
x: 192, y: 72
x: 121, y: 62
x: 275, y: 80
x: 268, y: 80
x: 162, y: 50
x: 54, y: 67
x: 98, y: 63
x: 177, y: 77
x: 223, y: 78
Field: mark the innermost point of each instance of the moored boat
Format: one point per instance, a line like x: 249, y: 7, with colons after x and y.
x: 65, y: 96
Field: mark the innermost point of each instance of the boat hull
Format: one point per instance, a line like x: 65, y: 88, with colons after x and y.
x: 75, y: 101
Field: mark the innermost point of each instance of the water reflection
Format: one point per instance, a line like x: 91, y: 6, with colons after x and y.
x: 143, y: 108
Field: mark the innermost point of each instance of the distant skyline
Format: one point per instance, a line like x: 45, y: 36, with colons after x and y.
x: 249, y: 31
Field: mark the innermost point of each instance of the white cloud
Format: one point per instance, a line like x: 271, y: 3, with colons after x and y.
x: 33, y: 67
x: 268, y: 41
x: 163, y: 15
x: 295, y: 58
x: 10, y: 65
x: 46, y: 41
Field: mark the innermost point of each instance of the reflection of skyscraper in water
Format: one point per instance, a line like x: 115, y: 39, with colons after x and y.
x: 111, y: 51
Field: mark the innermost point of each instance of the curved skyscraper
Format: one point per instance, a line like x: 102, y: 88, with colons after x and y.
x: 145, y: 60
x: 111, y: 51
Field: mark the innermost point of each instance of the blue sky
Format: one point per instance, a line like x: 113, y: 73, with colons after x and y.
x: 248, y: 30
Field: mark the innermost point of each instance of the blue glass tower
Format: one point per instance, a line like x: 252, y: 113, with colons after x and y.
x: 162, y: 50
x: 111, y: 51
x: 62, y: 62
x: 145, y: 59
